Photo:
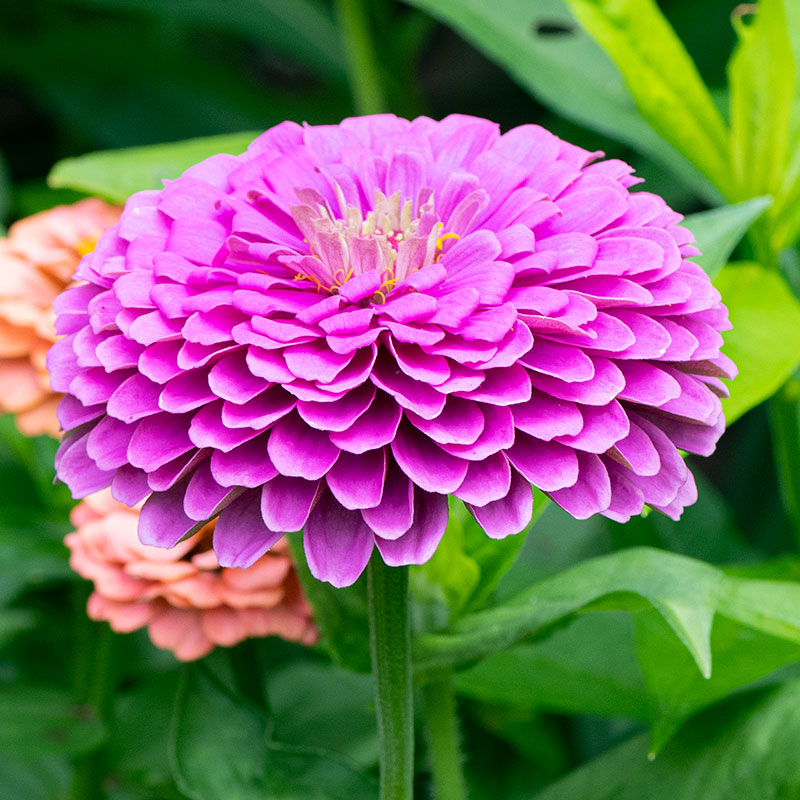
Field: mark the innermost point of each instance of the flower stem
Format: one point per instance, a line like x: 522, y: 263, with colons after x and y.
x: 362, y: 63
x: 443, y: 739
x: 390, y: 644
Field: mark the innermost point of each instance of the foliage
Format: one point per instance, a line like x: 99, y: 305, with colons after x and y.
x: 646, y: 661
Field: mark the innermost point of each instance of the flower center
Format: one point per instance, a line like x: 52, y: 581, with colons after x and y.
x: 395, y: 238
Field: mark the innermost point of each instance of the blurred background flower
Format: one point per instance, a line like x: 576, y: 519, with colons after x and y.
x: 37, y: 261
x: 187, y: 602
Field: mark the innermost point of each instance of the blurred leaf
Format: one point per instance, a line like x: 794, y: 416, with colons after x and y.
x: 664, y: 82
x: 35, y: 514
x: 719, y: 230
x: 221, y: 751
x: 745, y: 749
x: 30, y: 197
x: 117, y: 174
x: 762, y: 78
x: 300, y: 29
x: 175, y: 85
x: 765, y: 340
x: 681, y: 589
x: 541, y: 46
x: 309, y: 700
x: 786, y: 217
x: 138, y: 749
x: 37, y: 721
x: 43, y: 777
x: 341, y: 614
x: 5, y: 194
x: 13, y: 621
x: 589, y: 667
x: 784, y: 415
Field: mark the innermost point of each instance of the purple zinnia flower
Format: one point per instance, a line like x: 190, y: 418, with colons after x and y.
x: 348, y: 323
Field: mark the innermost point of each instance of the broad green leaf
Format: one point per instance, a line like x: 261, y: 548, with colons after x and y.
x: 681, y: 589
x: 565, y: 70
x: 341, y: 614
x: 719, y: 230
x: 589, y: 667
x: 218, y: 747
x: 744, y: 749
x: 762, y: 79
x: 743, y: 657
x: 664, y: 82
x: 764, y: 342
x: 38, y: 721
x: 117, y: 174
x: 309, y: 699
x: 221, y: 750
x: 772, y: 607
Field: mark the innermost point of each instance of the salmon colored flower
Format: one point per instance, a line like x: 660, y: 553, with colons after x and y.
x: 37, y: 261
x: 188, y: 603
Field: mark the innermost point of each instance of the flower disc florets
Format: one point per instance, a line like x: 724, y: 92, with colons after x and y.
x: 344, y: 325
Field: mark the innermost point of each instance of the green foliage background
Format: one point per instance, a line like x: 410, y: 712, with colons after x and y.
x: 651, y: 660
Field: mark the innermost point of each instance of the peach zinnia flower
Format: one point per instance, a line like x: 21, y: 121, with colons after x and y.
x: 187, y: 601
x: 37, y: 261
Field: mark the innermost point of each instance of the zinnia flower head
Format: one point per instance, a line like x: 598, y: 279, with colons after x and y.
x: 188, y: 603
x: 347, y: 323
x: 37, y: 260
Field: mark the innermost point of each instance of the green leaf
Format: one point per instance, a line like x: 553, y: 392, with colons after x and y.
x: 38, y: 721
x: 340, y: 614
x: 743, y: 657
x: 765, y: 340
x: 43, y: 777
x: 588, y: 667
x: 745, y: 749
x: 762, y: 80
x: 117, y: 174
x: 719, y: 230
x: 681, y: 589
x: 309, y: 700
x: 772, y: 607
x: 14, y: 621
x: 566, y: 71
x: 221, y: 751
x: 664, y: 82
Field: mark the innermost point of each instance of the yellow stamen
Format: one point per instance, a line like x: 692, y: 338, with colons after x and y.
x: 85, y: 246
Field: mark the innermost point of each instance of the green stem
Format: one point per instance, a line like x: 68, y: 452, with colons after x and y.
x: 443, y: 739
x: 390, y: 644
x: 784, y: 412
x: 362, y: 63
x: 95, y: 689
